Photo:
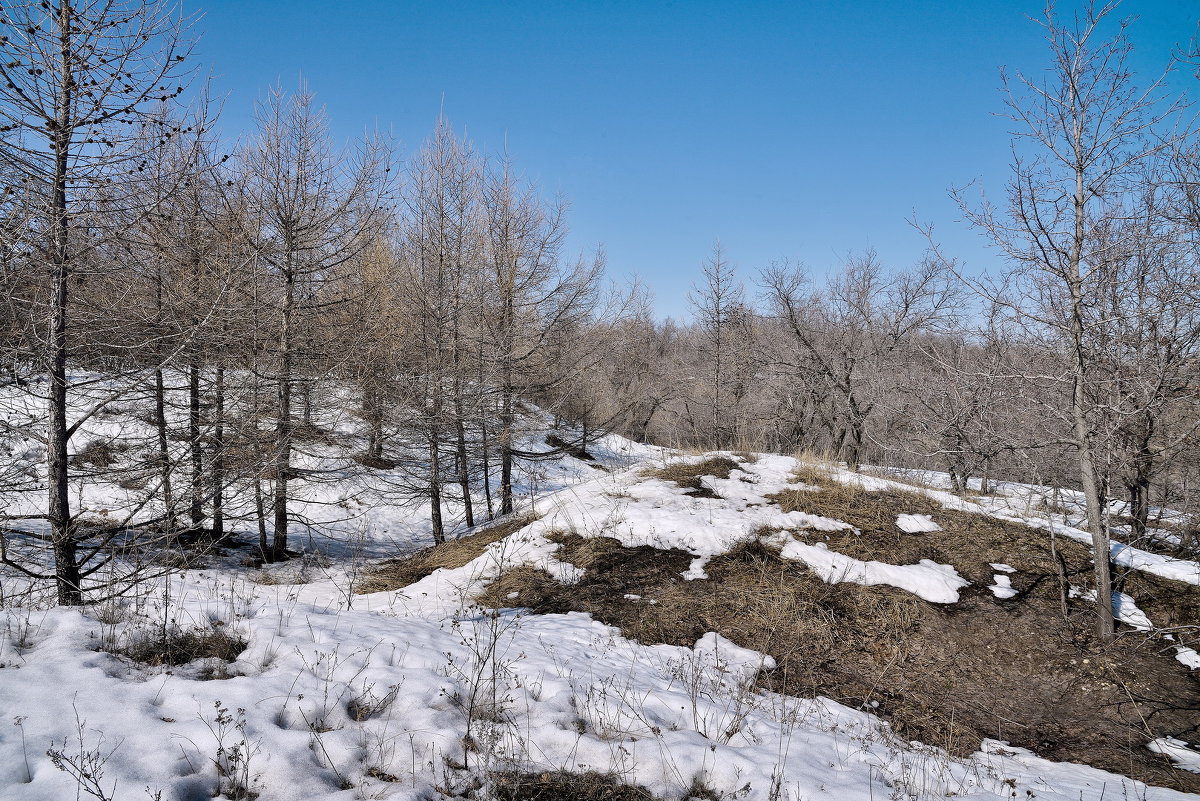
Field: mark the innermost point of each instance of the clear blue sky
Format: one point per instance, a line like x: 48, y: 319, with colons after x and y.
x: 799, y: 129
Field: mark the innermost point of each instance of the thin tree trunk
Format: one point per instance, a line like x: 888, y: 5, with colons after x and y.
x: 164, y: 454
x: 260, y: 513
x: 435, y: 490
x: 1080, y: 419
x: 196, y: 501
x: 66, y: 566
x: 218, y: 458
x: 506, y: 451
x: 283, y: 423
x: 460, y: 444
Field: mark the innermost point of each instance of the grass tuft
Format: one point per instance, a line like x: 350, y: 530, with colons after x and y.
x: 566, y: 786
x: 688, y: 475
x: 179, y: 646
x: 398, y: 573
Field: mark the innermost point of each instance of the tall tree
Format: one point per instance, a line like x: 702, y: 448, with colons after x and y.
x: 310, y: 208
x: 76, y: 79
x: 719, y: 308
x: 534, y: 302
x: 1086, y: 139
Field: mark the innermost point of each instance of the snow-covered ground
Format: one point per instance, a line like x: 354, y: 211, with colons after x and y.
x: 418, y: 693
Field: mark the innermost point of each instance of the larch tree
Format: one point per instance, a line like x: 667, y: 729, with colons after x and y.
x: 719, y: 308
x: 533, y: 299
x: 310, y: 207
x: 76, y: 80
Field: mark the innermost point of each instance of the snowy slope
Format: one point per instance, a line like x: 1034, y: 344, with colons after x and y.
x: 420, y: 693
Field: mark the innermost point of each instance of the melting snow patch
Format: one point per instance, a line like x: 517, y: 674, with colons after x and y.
x: 1184, y: 655
x: 696, y: 569
x: 1187, y: 657
x: 1178, y: 751
x: 927, y: 579
x: 1002, y: 568
x: 1002, y: 588
x: 1124, y: 608
x: 916, y: 524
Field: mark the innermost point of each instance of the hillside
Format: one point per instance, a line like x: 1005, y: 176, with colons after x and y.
x: 717, y: 626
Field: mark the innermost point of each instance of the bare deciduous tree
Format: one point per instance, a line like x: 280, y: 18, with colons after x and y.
x: 76, y: 81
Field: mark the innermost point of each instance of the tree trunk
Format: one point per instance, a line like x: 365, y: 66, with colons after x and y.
x: 461, y: 463
x: 506, y: 451
x: 1082, y: 426
x: 435, y: 491
x: 196, y: 501
x: 283, y: 423
x: 164, y: 454
x: 62, y: 533
x: 218, y: 458
x: 260, y: 513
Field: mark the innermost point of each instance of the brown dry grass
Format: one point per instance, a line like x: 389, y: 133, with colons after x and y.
x: 566, y: 786
x: 398, y: 573
x: 688, y: 475
x: 180, y: 646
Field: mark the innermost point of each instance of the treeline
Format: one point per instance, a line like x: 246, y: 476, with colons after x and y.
x: 239, y: 304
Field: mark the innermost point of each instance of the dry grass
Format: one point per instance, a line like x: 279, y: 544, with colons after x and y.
x: 180, y: 646
x: 520, y: 586
x: 98, y: 453
x: 565, y: 786
x: 688, y: 475
x: 398, y: 573
x: 969, y: 541
x: 569, y: 448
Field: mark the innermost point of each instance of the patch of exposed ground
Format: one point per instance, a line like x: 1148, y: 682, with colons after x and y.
x: 565, y: 786
x: 396, y: 574
x: 1018, y: 670
x: 179, y: 646
x: 688, y: 475
x: 973, y: 542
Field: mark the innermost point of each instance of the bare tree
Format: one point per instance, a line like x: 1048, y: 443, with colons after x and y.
x: 76, y: 78
x: 1086, y: 138
x: 534, y: 301
x: 845, y: 333
x: 720, y: 313
x: 310, y: 208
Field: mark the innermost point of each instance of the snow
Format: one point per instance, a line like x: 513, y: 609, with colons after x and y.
x: 335, y: 691
x: 916, y: 524
x: 1002, y: 586
x: 1188, y: 657
x: 927, y: 579
x: 1179, y: 752
x: 537, y: 692
x: 1018, y: 503
x: 1125, y: 609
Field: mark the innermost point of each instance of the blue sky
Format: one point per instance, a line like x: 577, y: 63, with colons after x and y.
x: 801, y: 130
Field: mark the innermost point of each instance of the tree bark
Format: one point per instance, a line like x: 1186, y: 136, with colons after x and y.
x: 283, y: 422
x: 62, y: 533
x: 218, y: 458
x: 196, y: 501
